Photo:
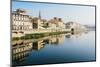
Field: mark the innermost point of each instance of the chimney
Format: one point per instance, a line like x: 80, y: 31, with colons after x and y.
x: 55, y: 18
x: 60, y: 19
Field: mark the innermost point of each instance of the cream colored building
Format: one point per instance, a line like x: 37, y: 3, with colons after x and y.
x: 52, y: 24
x: 22, y: 24
x: 38, y: 23
x: 61, y: 25
x: 56, y: 24
x: 21, y: 21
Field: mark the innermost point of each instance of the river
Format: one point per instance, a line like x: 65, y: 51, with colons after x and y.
x: 63, y: 48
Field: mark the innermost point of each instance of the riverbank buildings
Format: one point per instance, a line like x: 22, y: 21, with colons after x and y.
x: 22, y: 22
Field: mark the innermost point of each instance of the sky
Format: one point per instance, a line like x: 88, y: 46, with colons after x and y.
x: 76, y: 13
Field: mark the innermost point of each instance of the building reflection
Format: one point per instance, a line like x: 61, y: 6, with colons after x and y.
x: 22, y: 48
x: 53, y: 40
x: 38, y: 45
x: 75, y: 34
x: 56, y: 39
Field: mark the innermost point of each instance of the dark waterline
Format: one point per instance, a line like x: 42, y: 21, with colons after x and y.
x: 55, y: 49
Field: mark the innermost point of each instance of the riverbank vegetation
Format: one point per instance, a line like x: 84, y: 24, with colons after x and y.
x: 37, y: 35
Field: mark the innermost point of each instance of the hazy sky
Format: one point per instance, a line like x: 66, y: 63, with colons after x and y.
x: 76, y: 13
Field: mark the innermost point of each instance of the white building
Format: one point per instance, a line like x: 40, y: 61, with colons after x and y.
x: 21, y: 21
x: 73, y: 26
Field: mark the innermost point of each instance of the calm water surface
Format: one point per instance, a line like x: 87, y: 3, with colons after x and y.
x: 55, y: 49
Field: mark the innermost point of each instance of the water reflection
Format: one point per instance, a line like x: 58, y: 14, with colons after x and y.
x: 23, y: 48
x: 38, y: 45
x: 25, y: 45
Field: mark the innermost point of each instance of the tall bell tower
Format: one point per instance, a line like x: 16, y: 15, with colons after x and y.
x: 39, y: 14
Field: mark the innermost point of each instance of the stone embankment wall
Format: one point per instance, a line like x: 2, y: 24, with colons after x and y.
x: 22, y: 33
